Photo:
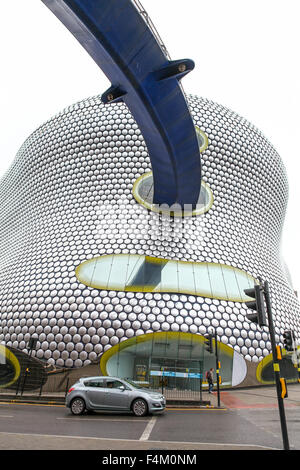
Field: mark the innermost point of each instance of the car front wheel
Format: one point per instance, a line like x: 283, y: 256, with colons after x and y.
x: 77, y: 406
x: 139, y: 407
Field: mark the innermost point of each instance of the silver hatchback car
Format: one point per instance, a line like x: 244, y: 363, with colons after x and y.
x: 113, y: 394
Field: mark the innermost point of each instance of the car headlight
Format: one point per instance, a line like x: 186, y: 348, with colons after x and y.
x: 156, y: 397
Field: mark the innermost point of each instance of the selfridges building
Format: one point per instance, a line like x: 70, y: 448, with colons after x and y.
x: 92, y: 271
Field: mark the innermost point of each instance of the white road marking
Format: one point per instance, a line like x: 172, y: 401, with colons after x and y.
x: 148, y: 429
x: 6, y: 416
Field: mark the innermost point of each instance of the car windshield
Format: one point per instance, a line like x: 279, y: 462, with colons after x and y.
x: 133, y: 384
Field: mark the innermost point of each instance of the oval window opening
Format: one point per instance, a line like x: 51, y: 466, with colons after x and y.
x: 202, y: 139
x: 140, y: 273
x: 143, y: 189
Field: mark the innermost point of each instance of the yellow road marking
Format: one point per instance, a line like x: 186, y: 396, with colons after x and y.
x: 29, y: 404
x: 208, y: 408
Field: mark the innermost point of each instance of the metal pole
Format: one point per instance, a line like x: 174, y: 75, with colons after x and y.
x: 41, y: 387
x: 18, y: 383
x: 200, y: 381
x: 67, y: 386
x: 276, y: 369
x: 26, y: 370
x: 217, y: 368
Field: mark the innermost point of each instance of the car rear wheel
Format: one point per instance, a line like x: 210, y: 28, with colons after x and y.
x: 77, y: 406
x: 139, y: 407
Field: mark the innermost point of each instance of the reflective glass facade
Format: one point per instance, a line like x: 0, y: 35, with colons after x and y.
x: 179, y: 360
x: 140, y: 273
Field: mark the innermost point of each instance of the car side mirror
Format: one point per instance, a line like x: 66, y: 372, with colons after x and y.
x: 122, y: 388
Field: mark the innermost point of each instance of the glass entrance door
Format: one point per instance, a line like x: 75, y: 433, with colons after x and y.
x: 176, y: 375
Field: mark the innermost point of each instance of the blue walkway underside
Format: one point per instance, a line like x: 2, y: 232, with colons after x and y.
x: 117, y: 37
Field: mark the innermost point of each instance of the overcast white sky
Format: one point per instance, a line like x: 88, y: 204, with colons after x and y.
x: 246, y: 54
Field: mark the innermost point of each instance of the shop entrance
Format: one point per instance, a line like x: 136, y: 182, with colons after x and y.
x: 174, y: 363
x: 176, y: 374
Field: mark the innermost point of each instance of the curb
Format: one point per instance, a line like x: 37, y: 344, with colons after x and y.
x: 172, y: 404
x: 32, y: 400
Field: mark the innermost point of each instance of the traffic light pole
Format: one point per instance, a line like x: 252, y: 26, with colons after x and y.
x: 276, y: 369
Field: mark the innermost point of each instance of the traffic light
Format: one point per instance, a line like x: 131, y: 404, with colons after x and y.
x: 288, y: 340
x: 257, y: 304
x: 32, y: 343
x: 208, y: 343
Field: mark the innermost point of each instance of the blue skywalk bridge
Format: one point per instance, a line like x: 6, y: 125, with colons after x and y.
x: 119, y: 39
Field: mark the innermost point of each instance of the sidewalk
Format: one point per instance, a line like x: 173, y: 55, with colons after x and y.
x: 254, y: 397
x: 258, y: 397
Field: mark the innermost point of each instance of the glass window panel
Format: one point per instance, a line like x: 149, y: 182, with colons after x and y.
x: 117, y: 361
x: 142, y: 360
x: 133, y: 358
x: 169, y: 278
x: 172, y: 340
x: 85, y: 271
x: 217, y: 281
x: 134, y: 265
x: 112, y: 365
x: 143, y: 348
x: 147, y: 277
x: 160, y: 345
x: 100, y: 271
x: 197, y: 348
x: 99, y: 383
x: 244, y: 281
x: 152, y: 272
x: 185, y: 346
x: 202, y: 281
x: 186, y: 278
x: 118, y: 271
x: 111, y: 383
x: 232, y: 287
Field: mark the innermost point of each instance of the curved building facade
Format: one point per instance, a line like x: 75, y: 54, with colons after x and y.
x: 87, y: 262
